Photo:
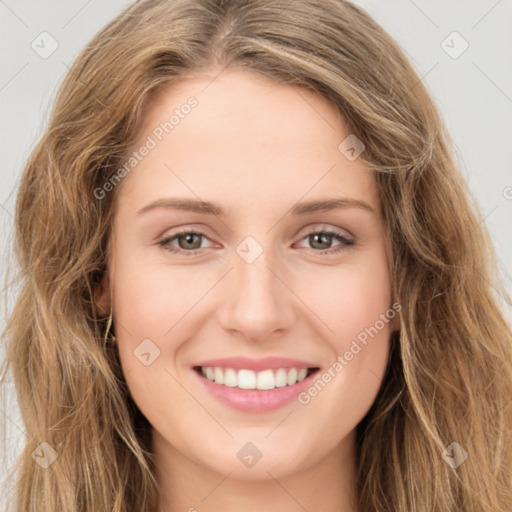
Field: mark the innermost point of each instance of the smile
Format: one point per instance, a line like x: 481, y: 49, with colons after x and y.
x: 254, y: 385
x: 249, y: 379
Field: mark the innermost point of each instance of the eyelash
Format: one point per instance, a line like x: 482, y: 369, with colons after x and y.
x: 345, y: 242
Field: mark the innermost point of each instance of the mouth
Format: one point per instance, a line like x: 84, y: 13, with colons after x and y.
x: 244, y: 378
x: 255, y: 391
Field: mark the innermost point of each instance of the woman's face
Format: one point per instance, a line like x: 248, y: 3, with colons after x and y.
x: 239, y: 274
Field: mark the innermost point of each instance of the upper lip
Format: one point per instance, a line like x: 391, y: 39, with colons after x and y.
x: 266, y: 363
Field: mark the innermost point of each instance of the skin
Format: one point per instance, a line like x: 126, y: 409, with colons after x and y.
x: 256, y: 148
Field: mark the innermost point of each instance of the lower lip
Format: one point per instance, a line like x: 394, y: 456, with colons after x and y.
x: 255, y: 400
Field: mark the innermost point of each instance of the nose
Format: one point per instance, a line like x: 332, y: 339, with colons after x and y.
x: 258, y: 302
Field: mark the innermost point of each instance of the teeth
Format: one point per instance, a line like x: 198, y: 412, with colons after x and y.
x: 218, y: 375
x: 301, y: 375
x: 265, y: 380
x: 230, y: 378
x: 248, y: 379
x: 281, y: 378
x: 292, y: 377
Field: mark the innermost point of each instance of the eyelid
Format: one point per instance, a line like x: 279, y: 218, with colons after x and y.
x: 323, y: 228
x: 188, y: 228
x: 166, y: 238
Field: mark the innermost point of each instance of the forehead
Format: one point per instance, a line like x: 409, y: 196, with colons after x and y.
x: 248, y: 106
x: 245, y: 137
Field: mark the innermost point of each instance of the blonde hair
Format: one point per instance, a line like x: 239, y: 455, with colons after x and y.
x: 449, y: 377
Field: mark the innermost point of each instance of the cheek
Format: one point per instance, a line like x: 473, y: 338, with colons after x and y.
x: 157, y: 311
x: 350, y: 299
x: 355, y: 303
x: 150, y: 302
x: 151, y: 323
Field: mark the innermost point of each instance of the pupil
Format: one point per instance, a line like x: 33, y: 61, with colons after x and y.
x: 318, y: 236
x: 189, y: 239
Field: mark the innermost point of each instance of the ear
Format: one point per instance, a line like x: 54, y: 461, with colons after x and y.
x: 102, y: 295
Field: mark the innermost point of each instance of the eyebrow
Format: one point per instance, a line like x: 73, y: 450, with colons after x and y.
x: 209, y: 208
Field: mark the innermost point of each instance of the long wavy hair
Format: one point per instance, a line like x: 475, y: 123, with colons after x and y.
x: 449, y: 376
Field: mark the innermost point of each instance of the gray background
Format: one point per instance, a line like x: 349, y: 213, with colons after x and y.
x: 473, y: 92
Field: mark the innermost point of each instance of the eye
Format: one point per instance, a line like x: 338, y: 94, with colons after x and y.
x: 321, y: 240
x: 189, y: 242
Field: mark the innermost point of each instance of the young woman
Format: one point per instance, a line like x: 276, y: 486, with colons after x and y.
x: 253, y: 279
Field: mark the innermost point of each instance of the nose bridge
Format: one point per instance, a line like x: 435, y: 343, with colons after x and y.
x: 257, y: 303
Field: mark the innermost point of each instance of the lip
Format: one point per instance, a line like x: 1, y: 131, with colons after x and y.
x: 257, y: 365
x: 255, y: 400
